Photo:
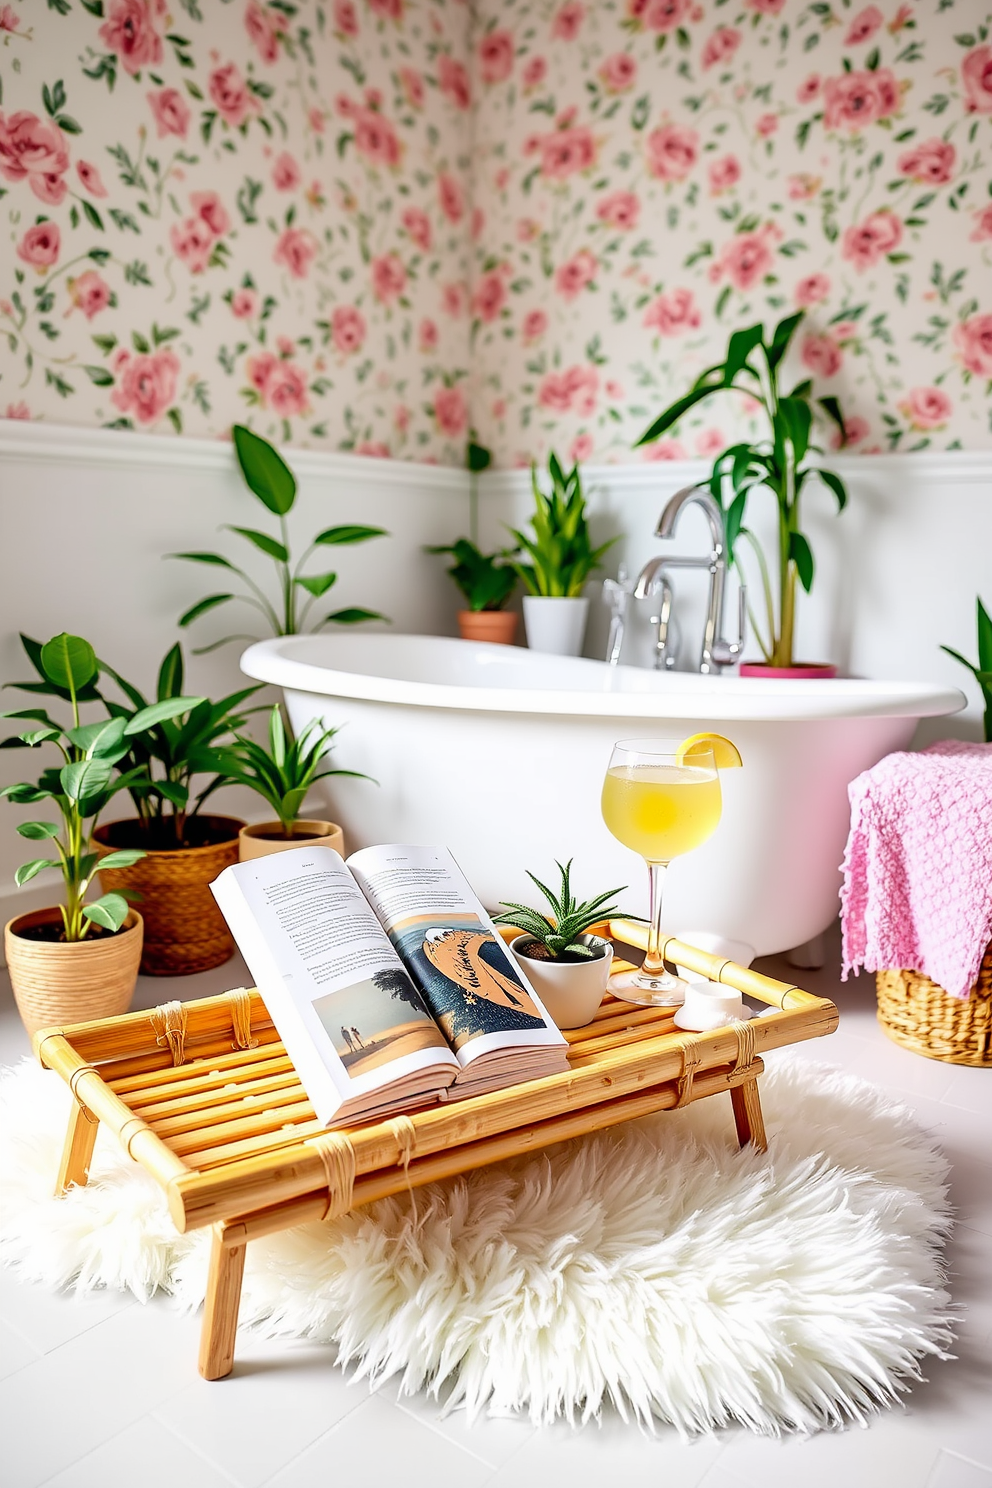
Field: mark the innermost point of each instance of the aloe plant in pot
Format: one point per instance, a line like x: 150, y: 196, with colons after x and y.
x: 779, y: 464
x: 569, y: 967
x: 487, y: 580
x: 282, y: 775
x: 78, y: 960
x: 561, y: 559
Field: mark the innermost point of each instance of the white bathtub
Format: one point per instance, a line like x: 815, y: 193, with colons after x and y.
x: 499, y: 753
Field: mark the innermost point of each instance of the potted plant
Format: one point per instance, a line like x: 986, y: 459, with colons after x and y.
x: 779, y: 463
x: 983, y: 671
x: 561, y: 560
x: 487, y: 581
x: 282, y: 775
x: 184, y: 847
x: 270, y: 479
x: 568, y: 967
x: 77, y: 960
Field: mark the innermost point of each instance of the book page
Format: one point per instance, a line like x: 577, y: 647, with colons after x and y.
x: 476, y: 992
x: 325, y: 967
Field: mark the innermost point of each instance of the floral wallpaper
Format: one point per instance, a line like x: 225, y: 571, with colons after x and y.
x: 657, y: 173
x: 221, y: 210
x: 372, y: 225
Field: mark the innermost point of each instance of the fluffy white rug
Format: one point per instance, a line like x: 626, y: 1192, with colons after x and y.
x: 654, y: 1266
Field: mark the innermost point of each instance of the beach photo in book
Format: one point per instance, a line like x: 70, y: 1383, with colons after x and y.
x: 386, y: 979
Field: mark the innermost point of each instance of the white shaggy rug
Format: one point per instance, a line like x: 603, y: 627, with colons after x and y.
x: 654, y: 1267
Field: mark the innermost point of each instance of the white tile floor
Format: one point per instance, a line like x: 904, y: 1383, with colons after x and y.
x: 103, y: 1393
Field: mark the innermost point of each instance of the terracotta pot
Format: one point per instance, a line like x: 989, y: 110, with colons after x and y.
x: 802, y: 671
x: 262, y: 838
x: 499, y: 626
x: 570, y: 990
x: 56, y: 983
x: 185, y: 932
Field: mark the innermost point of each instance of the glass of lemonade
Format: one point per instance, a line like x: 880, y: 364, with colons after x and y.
x: 660, y: 803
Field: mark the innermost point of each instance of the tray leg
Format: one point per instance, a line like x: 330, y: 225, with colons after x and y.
x: 220, y: 1310
x: 747, y: 1114
x: 77, y: 1153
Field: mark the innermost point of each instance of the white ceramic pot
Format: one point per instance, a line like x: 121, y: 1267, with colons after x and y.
x: 554, y: 625
x: 570, y: 990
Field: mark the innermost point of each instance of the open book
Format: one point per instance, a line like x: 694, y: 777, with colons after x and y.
x: 385, y: 979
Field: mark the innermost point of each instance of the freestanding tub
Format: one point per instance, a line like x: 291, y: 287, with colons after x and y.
x: 500, y: 753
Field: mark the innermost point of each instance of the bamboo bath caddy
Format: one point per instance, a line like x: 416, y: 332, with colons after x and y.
x: 204, y: 1097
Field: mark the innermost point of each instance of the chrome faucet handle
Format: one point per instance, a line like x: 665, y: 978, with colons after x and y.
x: 725, y: 653
x: 616, y: 594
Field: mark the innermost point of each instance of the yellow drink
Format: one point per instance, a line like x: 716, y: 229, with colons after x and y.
x: 661, y: 811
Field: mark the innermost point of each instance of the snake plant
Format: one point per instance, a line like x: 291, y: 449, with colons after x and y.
x: 559, y: 931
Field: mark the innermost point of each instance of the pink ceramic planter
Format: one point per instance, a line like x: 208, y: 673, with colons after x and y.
x: 802, y: 671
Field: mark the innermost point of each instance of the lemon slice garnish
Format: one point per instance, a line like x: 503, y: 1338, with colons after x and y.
x: 726, y: 755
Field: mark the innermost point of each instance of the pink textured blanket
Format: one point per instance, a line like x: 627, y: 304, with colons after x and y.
x: 917, y: 890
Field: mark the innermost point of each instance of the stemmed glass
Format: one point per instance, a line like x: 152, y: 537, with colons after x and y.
x: 660, y: 800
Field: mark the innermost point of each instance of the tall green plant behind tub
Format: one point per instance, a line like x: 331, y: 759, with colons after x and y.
x: 779, y: 463
x: 287, y: 611
x: 982, y: 673
x: 85, y: 782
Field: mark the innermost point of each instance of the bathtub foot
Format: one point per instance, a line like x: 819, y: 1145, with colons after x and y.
x: 809, y: 957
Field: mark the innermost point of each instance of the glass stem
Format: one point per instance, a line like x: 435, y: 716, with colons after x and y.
x: 654, y: 963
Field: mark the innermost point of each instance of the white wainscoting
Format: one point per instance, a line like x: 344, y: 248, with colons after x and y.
x: 87, y: 516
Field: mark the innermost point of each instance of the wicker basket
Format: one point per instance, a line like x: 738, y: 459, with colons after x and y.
x: 185, y: 932
x: 57, y: 982
x: 921, y: 1016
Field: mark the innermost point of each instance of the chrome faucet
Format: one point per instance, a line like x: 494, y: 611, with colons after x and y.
x: 716, y: 651
x: 651, y: 583
x: 616, y: 594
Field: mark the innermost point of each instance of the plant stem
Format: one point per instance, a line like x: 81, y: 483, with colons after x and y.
x: 287, y: 584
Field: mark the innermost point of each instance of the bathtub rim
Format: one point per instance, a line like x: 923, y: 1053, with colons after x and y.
x: 686, y: 696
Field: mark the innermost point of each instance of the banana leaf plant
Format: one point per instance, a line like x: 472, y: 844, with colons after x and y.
x: 190, y: 737
x: 779, y: 463
x: 86, y: 781
x: 283, y: 773
x: 982, y: 673
x: 287, y: 611
x: 561, y: 554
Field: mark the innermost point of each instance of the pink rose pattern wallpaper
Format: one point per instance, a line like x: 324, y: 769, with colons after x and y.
x: 372, y: 225
x: 223, y: 210
x: 657, y: 173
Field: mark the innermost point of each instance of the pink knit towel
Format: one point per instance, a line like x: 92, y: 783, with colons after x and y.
x: 917, y: 888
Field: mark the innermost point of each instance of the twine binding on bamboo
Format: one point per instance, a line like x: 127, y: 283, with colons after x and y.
x: 169, y: 1023
x: 745, y: 1045
x: 240, y: 1001
x: 338, y: 1156
x: 405, y: 1133
x: 76, y: 1076
x: 690, y: 1062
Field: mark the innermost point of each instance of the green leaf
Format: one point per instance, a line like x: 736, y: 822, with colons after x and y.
x: 109, y: 911
x: 351, y: 533
x: 802, y: 556
x: 99, y: 376
x: 317, y: 584
x: 675, y: 410
x: 170, y: 674
x: 162, y: 712
x: 27, y: 871
x: 742, y: 343
x: 783, y: 334
x: 213, y: 558
x: 836, y: 485
x: 265, y: 471
x: 86, y: 777
x: 37, y: 830
x: 68, y: 661
x: 984, y: 639
x: 477, y: 457
x: 124, y: 858
x: 262, y: 541
x: 201, y: 607
x: 831, y: 408
x: 352, y: 615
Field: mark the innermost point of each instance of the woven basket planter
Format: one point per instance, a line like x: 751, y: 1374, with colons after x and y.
x: 185, y: 932
x: 56, y: 983
x: 921, y: 1016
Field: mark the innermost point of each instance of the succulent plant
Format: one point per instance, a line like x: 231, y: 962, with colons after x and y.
x: 559, y: 932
